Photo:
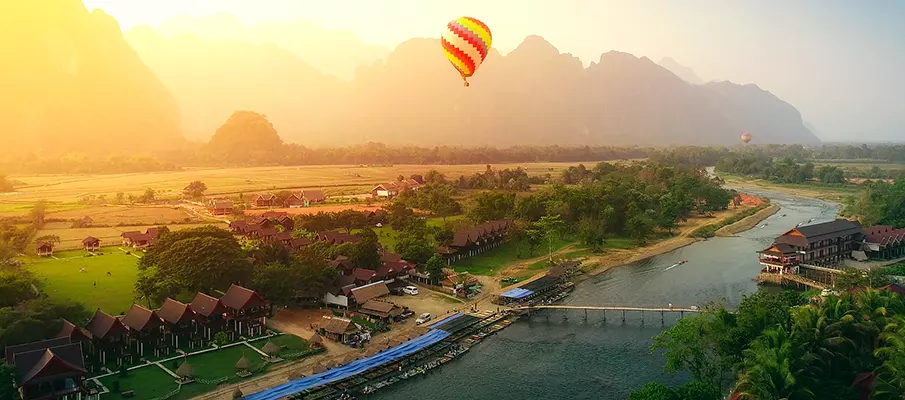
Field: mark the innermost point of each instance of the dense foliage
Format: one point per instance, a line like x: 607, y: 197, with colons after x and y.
x: 781, y: 346
x: 37, y: 319
x: 880, y: 203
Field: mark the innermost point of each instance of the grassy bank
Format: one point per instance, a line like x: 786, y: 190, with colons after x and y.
x: 709, y: 230
x: 748, y: 222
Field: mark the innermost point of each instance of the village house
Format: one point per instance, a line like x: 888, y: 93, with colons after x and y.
x: 209, y: 313
x: 265, y: 200
x: 334, y: 237
x: 343, y: 265
x: 44, y: 249
x: 238, y: 226
x: 87, y: 222
x: 340, y: 329
x: 179, y: 320
x: 49, y: 369
x: 246, y: 310
x: 91, y: 243
x: 883, y: 242
x: 108, y: 337
x: 823, y: 244
x: 140, y: 241
x: 363, y: 276
x: 294, y: 201
x: 145, y: 331
x: 220, y: 207
x: 72, y: 332
x: 361, y: 295
x: 312, y: 196
x: 381, y: 311
x: 127, y: 237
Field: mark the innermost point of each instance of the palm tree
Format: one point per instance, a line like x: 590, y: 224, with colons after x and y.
x: 774, y: 369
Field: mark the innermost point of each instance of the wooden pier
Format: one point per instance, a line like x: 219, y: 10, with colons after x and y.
x: 604, y: 309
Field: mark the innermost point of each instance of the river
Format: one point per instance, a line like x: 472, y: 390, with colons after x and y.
x: 548, y: 357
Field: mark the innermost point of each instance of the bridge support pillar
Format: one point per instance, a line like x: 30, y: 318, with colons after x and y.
x: 585, y: 314
x: 662, y: 321
x: 623, y: 315
x: 642, y: 317
x: 604, y: 315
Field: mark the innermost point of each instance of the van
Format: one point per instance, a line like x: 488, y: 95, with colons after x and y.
x: 410, y: 290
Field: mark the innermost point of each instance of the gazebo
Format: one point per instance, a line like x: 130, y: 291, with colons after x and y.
x: 272, y: 350
x: 242, y: 367
x: 186, y: 373
x: 315, y: 341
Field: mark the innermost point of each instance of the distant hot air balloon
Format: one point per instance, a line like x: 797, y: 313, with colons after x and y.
x: 466, y: 43
x: 746, y: 137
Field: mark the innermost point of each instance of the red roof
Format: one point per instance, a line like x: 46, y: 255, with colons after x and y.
x: 240, y: 298
x: 90, y: 240
x: 103, y: 325
x: 139, y: 319
x: 207, y: 305
x: 43, y: 245
x: 129, y: 234
x: 61, y: 360
x: 362, y: 274
x: 275, y: 214
x: 175, y: 312
x: 72, y: 332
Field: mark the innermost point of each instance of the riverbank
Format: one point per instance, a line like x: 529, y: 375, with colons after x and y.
x: 748, y: 222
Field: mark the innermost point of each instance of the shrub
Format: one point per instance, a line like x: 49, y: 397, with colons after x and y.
x: 115, y: 387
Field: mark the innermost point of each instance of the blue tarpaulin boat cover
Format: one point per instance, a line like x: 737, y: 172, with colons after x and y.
x: 517, y: 293
x: 444, y: 320
x: 355, y: 367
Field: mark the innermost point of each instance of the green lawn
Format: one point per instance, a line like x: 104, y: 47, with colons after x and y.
x: 387, y: 236
x: 147, y: 383
x: 289, y: 343
x: 61, y: 278
x: 222, y: 363
x: 491, y: 262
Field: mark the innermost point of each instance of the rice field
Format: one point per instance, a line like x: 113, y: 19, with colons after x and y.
x: 127, y: 215
x: 71, y: 238
x: 334, y: 179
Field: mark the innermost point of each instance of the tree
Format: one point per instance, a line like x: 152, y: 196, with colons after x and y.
x: 350, y: 219
x: 698, y: 345
x: 220, y: 340
x: 366, y: 253
x: 37, y: 213
x: 198, y: 259
x: 654, y: 391
x: 640, y: 226
x: 434, y: 268
x: 52, y: 239
x: 592, y: 233
x: 444, y: 236
x: 550, y: 227
x: 399, y: 215
x: 16, y: 286
x: 490, y: 206
x: 412, y: 246
x: 277, y: 282
x: 195, y: 190
x: 7, y: 378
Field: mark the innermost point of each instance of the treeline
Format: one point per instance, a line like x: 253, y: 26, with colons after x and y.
x: 785, y: 170
x: 788, y: 346
x: 879, y: 203
x: 78, y: 163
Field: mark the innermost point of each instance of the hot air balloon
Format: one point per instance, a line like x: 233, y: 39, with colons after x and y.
x: 746, y: 137
x: 466, y: 43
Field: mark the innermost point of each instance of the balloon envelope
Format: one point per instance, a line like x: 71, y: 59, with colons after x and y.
x: 466, y: 42
x: 746, y: 137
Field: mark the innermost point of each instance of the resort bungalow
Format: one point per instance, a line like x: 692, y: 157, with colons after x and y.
x: 340, y: 329
x: 312, y: 196
x: 209, y: 314
x: 334, y: 237
x: 145, y: 330
x: 363, y: 276
x: 381, y: 310
x: 72, y: 332
x: 49, y: 369
x: 127, y: 237
x: 473, y: 241
x: 220, y: 207
x: 343, y: 265
x: 293, y: 201
x: 238, y: 227
x: 91, y: 243
x: 823, y: 244
x: 246, y: 310
x: 108, y: 336
x: 140, y: 241
x: 179, y: 320
x: 265, y: 200
x: 286, y: 222
x: 44, y: 249
x: 883, y: 242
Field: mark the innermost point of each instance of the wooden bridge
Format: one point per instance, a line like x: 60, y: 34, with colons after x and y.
x: 604, y: 309
x: 784, y: 279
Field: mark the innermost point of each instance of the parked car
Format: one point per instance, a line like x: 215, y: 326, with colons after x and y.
x: 411, y: 290
x: 406, y: 314
x: 423, y: 318
x: 397, y: 291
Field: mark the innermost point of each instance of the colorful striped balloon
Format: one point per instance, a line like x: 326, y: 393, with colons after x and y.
x: 466, y: 43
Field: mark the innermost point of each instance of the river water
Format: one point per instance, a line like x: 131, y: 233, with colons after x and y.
x: 549, y: 357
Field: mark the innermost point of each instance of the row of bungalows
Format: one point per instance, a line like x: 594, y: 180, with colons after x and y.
x: 49, y: 369
x: 392, y: 189
x: 476, y: 240
x: 143, y: 331
x: 304, y: 198
x: 883, y: 242
x: 138, y: 239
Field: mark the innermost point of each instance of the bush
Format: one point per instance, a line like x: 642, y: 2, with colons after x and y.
x: 115, y: 387
x: 123, y: 372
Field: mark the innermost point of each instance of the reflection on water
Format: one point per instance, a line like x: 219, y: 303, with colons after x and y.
x: 559, y: 354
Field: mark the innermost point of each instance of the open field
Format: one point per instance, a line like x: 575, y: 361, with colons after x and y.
x: 61, y: 278
x: 71, y: 238
x: 315, y: 209
x: 835, y: 193
x: 128, y: 215
x: 334, y: 179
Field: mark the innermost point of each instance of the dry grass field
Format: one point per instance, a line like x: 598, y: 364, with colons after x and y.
x: 334, y: 179
x: 123, y: 215
x: 71, y: 238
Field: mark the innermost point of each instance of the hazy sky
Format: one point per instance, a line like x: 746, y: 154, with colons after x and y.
x: 841, y: 63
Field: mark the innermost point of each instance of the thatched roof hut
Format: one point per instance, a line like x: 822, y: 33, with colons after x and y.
x: 271, y: 348
x: 185, y: 370
x: 331, y: 364
x: 315, y: 340
x: 243, y: 364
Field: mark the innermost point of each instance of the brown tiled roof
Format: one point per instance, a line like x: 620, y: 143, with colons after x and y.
x: 368, y: 292
x: 313, y: 195
x: 827, y: 230
x: 90, y: 240
x: 207, y: 305
x: 72, y: 332
x: 265, y: 232
x: 43, y: 245
x: 239, y: 298
x: 283, y: 236
x: 103, y: 325
x: 299, y: 243
x: 877, y: 229
x: 362, y: 274
x: 266, y: 196
x: 139, y: 318
x: 239, y: 224
x: 142, y: 237
x: 345, y: 280
x: 379, y: 306
x: 175, y: 312
x: 886, y: 237
x: 221, y: 204
x: 64, y: 361
x: 153, y: 232
x: 274, y: 214
x: 339, y: 326
x: 129, y: 234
